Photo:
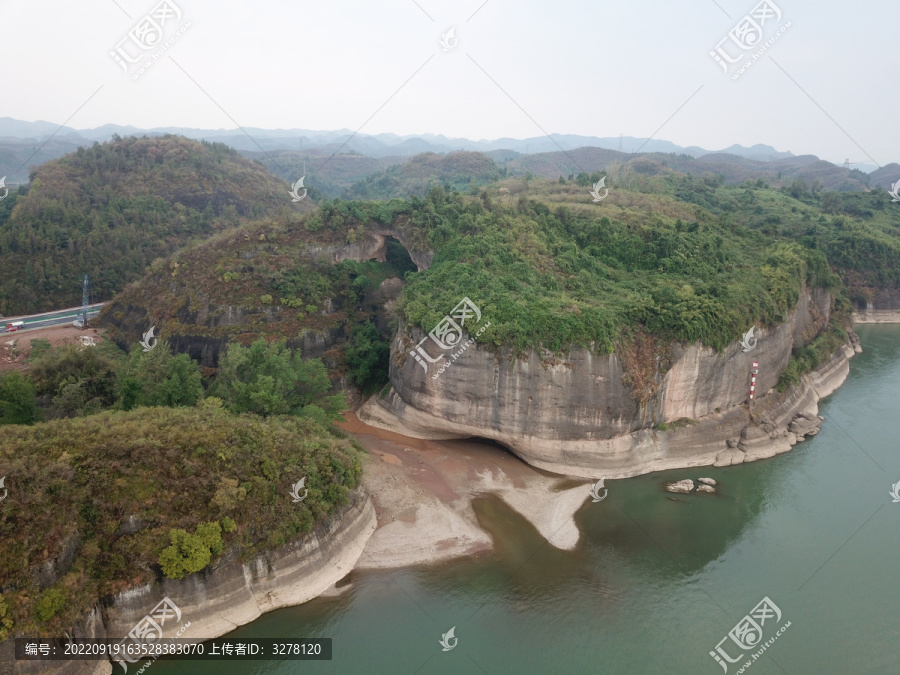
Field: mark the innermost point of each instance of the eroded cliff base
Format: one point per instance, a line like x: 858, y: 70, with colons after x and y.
x: 770, y: 425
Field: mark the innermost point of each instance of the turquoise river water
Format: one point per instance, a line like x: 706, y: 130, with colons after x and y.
x: 655, y: 584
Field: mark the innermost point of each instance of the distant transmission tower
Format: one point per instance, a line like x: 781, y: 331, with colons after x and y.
x: 620, y: 142
x: 85, y: 300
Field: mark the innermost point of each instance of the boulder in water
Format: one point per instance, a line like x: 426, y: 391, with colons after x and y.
x: 683, y: 486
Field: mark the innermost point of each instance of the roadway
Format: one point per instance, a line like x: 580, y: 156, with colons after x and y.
x: 58, y: 318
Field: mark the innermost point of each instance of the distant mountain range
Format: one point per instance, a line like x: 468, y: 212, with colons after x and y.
x: 18, y: 137
x: 24, y: 145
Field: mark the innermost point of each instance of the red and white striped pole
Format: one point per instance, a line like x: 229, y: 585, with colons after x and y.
x: 753, y: 372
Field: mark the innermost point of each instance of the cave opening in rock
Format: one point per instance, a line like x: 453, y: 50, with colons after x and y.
x: 398, y: 257
x: 490, y: 445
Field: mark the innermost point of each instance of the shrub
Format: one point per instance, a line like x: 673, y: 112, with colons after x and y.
x: 49, y: 605
x: 211, y: 403
x: 163, y: 461
x: 81, y: 382
x: 18, y: 401
x: 190, y: 553
x: 38, y: 348
x: 228, y: 495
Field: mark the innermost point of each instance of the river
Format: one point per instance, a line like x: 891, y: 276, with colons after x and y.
x: 656, y: 584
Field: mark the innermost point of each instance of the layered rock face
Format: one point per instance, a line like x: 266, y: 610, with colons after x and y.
x: 583, y: 415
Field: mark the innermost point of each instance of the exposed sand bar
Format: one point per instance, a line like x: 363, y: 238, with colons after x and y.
x: 423, y: 492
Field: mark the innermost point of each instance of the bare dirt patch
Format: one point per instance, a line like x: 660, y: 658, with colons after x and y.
x: 15, y: 348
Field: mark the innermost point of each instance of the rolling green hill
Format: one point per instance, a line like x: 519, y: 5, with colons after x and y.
x: 680, y: 257
x: 327, y: 176
x: 111, y: 209
x: 455, y: 170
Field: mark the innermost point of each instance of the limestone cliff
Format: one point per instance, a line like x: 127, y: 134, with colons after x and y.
x: 592, y: 414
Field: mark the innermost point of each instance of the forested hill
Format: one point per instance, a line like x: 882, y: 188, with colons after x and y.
x: 456, y: 170
x: 111, y: 209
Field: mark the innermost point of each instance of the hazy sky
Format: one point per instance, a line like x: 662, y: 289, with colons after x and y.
x: 827, y: 86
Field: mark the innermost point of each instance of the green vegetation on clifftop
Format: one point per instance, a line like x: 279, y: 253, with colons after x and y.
x: 565, y: 276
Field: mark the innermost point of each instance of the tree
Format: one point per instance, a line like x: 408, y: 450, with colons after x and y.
x: 267, y: 379
x: 368, y: 357
x: 18, y: 400
x: 159, y: 378
x: 80, y: 381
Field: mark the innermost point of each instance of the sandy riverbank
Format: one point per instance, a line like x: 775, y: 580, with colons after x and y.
x: 423, y: 492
